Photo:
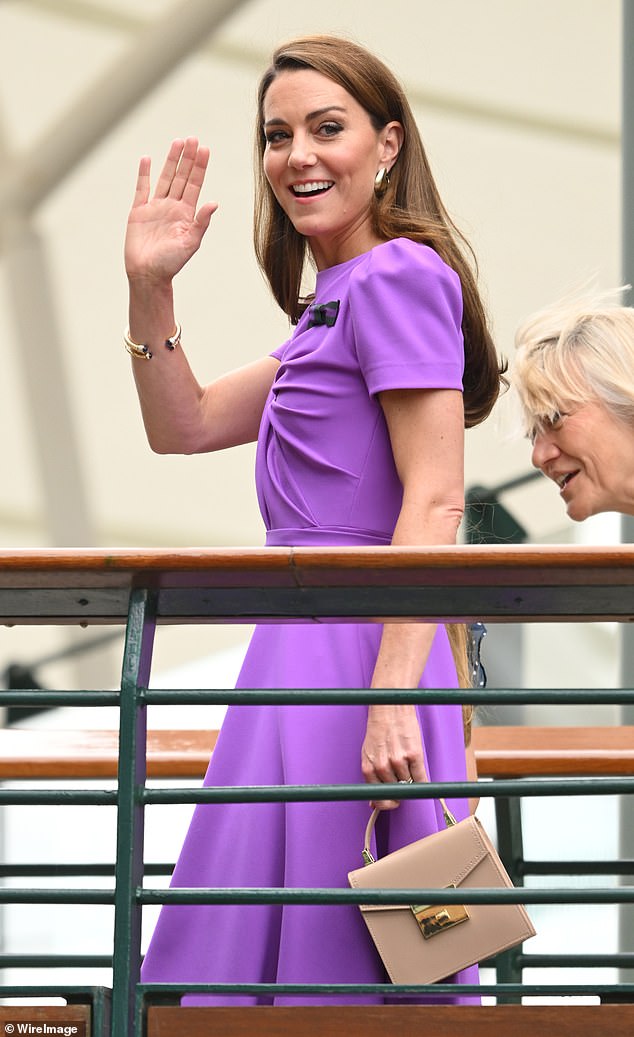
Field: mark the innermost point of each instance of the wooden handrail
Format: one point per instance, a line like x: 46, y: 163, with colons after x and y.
x: 522, y: 752
x: 378, y: 1020
x: 51, y: 753
x: 33, y: 1019
x: 500, y: 752
x: 497, y: 584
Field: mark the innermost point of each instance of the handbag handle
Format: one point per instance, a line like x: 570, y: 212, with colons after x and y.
x: 450, y: 820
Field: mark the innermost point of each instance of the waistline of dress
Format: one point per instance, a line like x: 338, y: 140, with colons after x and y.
x: 325, y: 536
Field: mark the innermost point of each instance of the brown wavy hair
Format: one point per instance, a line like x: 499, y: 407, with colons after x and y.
x: 411, y: 208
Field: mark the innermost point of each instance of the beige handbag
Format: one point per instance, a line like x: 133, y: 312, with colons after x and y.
x: 425, y: 943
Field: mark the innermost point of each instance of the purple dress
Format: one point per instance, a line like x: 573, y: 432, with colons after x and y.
x: 325, y: 476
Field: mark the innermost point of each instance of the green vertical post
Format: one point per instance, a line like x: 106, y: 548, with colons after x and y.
x: 508, y: 815
x: 137, y: 661
x: 100, y: 1013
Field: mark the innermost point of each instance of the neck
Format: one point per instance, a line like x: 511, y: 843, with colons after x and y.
x: 332, y: 253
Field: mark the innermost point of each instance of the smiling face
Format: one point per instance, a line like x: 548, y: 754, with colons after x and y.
x: 589, y: 453
x: 321, y: 158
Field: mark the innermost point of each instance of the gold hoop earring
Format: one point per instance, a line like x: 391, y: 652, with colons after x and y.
x: 381, y: 182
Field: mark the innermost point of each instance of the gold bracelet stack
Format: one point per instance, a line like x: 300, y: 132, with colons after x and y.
x: 140, y: 352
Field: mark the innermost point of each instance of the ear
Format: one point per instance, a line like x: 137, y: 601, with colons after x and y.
x: 391, y: 141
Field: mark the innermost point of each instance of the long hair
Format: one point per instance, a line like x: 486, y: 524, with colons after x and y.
x: 457, y: 635
x: 411, y: 207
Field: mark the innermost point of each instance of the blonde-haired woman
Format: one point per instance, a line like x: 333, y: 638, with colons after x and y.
x: 574, y: 376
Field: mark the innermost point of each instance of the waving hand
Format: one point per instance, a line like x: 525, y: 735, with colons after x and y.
x: 165, y: 229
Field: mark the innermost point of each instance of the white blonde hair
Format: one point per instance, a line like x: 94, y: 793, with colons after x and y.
x: 579, y: 350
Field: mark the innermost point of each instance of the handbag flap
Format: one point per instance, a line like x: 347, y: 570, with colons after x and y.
x: 442, y: 859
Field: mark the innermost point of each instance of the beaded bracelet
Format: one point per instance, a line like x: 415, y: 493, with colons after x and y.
x: 141, y: 352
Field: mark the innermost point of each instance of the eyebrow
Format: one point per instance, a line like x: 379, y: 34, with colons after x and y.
x: 310, y: 116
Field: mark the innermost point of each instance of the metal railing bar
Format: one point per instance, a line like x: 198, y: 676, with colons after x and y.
x: 624, y: 867
x: 157, y: 992
x: 364, y: 696
x: 577, y: 961
x: 427, y: 790
x: 462, y: 895
x: 324, y: 696
x: 59, y: 698
x: 74, y: 870
x: 476, y: 696
x: 17, y: 895
x: 526, y: 895
x: 62, y: 797
x: 74, y: 993
x: 54, y: 961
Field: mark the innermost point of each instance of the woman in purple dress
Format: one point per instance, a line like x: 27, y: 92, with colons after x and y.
x: 359, y: 420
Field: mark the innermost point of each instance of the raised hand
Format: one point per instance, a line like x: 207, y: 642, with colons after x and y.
x: 165, y: 230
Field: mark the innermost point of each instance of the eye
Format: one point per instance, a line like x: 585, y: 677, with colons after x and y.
x: 276, y: 137
x: 552, y: 422
x: 330, y: 129
x: 556, y: 420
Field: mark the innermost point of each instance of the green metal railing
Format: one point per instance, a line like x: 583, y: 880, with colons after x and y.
x: 420, y: 584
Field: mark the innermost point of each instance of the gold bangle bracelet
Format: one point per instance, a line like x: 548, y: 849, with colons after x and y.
x: 141, y: 352
x: 173, y: 341
x: 135, y: 349
x: 138, y: 352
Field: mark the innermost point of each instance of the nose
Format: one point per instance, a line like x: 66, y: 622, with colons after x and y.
x: 301, y: 153
x: 544, y: 450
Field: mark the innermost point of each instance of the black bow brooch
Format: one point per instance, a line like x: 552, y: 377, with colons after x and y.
x: 324, y: 313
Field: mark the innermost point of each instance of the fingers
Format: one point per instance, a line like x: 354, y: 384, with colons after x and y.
x: 169, y: 168
x: 385, y: 804
x: 184, y: 168
x: 203, y: 216
x: 375, y: 775
x: 406, y: 771
x: 183, y: 173
x: 417, y: 769
x: 387, y: 776
x: 196, y: 170
x: 382, y: 804
x: 387, y: 771
x: 142, y: 189
x: 392, y: 751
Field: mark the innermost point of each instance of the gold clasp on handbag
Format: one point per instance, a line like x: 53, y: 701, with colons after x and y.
x: 433, y: 919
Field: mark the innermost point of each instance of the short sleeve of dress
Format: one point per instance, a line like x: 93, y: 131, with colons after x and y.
x: 278, y: 353
x: 406, y: 309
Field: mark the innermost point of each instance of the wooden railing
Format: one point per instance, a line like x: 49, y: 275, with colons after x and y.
x: 140, y: 589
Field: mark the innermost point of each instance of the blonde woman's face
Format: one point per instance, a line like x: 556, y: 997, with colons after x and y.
x: 589, y: 454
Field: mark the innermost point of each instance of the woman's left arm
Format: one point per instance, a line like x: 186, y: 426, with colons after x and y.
x: 426, y: 428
